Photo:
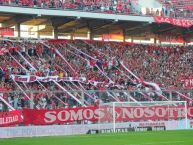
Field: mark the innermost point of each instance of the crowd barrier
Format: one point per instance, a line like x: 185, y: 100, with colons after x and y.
x: 57, y: 130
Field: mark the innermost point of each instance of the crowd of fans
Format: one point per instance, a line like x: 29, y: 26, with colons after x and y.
x: 105, y: 6
x: 177, y: 8
x: 170, y: 8
x: 113, y: 71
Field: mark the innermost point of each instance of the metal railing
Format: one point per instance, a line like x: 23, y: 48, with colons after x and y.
x: 61, y: 99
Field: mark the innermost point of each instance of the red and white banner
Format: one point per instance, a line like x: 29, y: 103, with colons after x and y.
x: 33, y: 78
x: 11, y: 118
x: 177, y: 22
x: 60, y: 116
x: 6, y: 31
x: 188, y: 82
x: 104, y: 114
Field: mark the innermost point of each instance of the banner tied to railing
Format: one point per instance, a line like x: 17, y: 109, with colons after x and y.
x: 187, y: 82
x: 11, y: 118
x: 182, y: 22
x: 33, y: 78
x: 104, y: 114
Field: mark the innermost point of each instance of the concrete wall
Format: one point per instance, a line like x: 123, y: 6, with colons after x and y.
x: 54, y: 130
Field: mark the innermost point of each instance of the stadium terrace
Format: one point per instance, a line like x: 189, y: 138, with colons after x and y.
x: 96, y: 67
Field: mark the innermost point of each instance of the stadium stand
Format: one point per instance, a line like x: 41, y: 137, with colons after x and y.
x: 170, y: 8
x: 104, y: 6
x: 91, y: 65
x: 177, y: 8
x: 95, y: 66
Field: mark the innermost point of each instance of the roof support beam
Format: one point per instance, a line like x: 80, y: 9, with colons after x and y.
x: 15, y: 20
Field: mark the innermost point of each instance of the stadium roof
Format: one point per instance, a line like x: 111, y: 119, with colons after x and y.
x: 82, y: 22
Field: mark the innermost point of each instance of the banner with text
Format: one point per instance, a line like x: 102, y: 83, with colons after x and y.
x: 188, y: 82
x: 11, y: 118
x: 6, y: 31
x: 104, y: 114
x: 33, y: 78
x: 182, y: 22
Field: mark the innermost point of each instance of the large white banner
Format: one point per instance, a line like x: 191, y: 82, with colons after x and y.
x: 33, y: 78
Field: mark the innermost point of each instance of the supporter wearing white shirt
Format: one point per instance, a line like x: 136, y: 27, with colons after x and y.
x: 102, y: 8
x: 43, y: 102
x: 28, y: 73
x: 110, y: 64
x: 1, y: 107
x: 23, y: 50
x: 15, y: 102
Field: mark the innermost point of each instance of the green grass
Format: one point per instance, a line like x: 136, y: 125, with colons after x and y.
x: 131, y: 138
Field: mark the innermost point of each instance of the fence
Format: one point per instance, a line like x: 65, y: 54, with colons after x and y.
x: 65, y: 99
x: 34, y: 111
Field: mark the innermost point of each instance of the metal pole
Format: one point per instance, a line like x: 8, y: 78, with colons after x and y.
x: 114, y: 127
x: 32, y: 100
x: 186, y: 115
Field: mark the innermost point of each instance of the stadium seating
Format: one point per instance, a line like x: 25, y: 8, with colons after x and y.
x: 108, y: 68
x: 171, y: 8
x: 104, y: 6
x: 178, y: 8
